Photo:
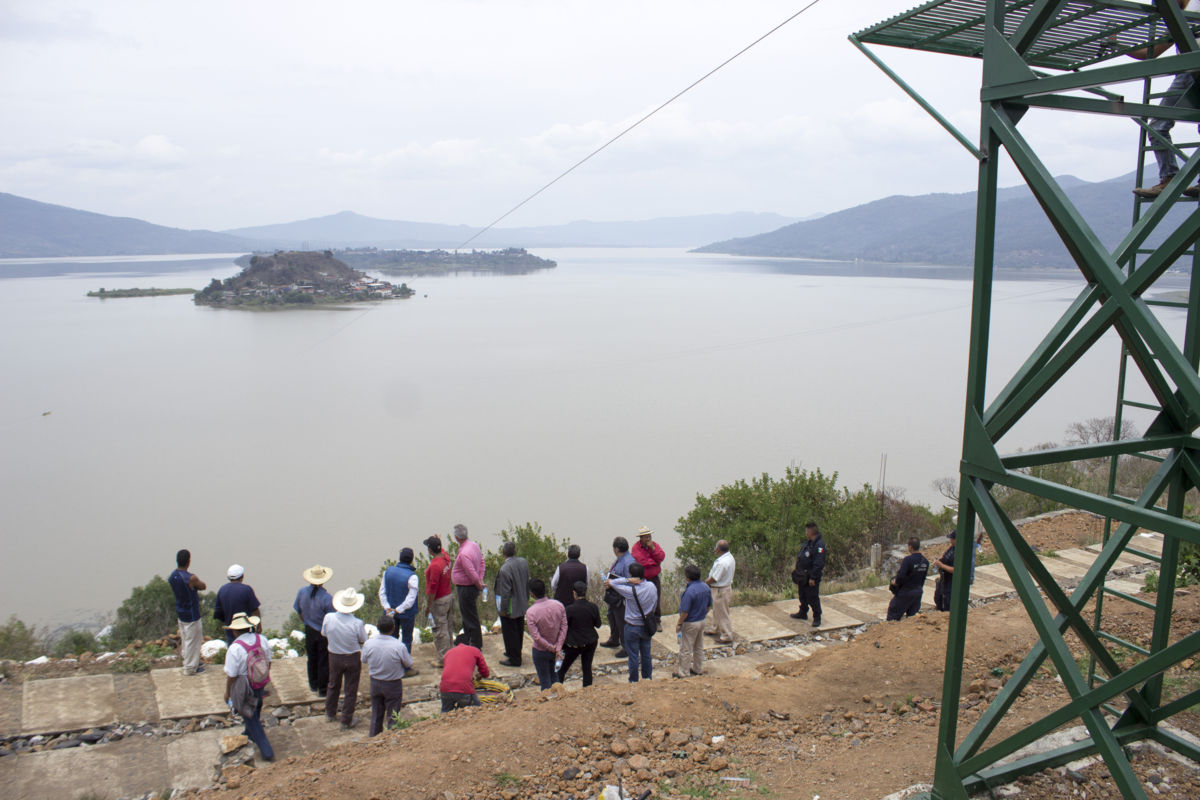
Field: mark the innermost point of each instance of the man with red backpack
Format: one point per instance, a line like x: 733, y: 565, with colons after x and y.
x: 247, y: 673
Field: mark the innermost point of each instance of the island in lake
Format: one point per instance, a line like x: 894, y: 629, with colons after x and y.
x: 292, y: 278
x: 510, y: 261
x: 104, y: 294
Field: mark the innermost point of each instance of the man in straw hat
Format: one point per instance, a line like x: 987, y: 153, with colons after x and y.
x: 346, y: 634
x: 239, y: 694
x: 313, y: 602
x: 650, y: 555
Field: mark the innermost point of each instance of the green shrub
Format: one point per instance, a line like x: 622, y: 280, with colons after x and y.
x: 74, y: 642
x: 19, y: 641
x: 136, y: 664
x: 543, y: 551
x: 148, y: 613
x: 1151, y: 584
x: 754, y: 597
x: 210, y: 625
x: 763, y: 521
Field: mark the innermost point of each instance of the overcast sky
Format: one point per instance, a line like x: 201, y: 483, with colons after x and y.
x: 221, y: 114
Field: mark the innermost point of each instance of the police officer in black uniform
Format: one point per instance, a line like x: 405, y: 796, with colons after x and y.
x: 909, y: 583
x: 807, y: 574
x: 945, y: 581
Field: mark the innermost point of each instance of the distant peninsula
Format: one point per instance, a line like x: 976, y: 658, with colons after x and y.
x: 295, y: 279
x: 105, y: 294
x: 510, y: 261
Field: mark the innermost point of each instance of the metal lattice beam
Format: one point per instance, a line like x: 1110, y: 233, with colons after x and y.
x: 1018, y: 40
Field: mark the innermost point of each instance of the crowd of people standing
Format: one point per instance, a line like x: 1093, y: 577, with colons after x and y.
x: 563, y: 623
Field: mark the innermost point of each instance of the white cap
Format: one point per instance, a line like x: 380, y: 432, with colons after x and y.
x: 235, y: 572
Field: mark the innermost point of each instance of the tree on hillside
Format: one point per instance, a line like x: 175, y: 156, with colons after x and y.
x: 148, y: 613
x: 763, y: 521
x: 543, y: 551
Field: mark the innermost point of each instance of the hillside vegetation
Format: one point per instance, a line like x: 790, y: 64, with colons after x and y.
x: 29, y: 229
x: 940, y: 228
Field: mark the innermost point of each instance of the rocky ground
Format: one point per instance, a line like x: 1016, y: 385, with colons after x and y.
x: 853, y: 721
x: 857, y: 720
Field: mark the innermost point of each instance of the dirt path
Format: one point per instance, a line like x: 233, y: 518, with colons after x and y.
x: 854, y: 721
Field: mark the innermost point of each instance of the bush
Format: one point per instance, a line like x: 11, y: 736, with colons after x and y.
x: 136, y: 664
x: 543, y: 551
x: 19, y: 641
x: 763, y: 521
x: 74, y: 642
x: 148, y: 613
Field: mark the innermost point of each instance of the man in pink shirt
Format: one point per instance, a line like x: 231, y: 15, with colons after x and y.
x: 467, y: 577
x: 547, y: 624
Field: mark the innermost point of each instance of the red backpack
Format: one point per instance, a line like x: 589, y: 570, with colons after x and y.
x: 258, y: 666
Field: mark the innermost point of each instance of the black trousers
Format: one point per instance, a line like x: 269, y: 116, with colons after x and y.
x: 616, y: 621
x: 512, y: 629
x: 387, y: 697
x: 904, y: 604
x: 941, y: 593
x: 468, y: 606
x: 657, y: 613
x: 316, y: 647
x: 810, y: 596
x: 586, y: 654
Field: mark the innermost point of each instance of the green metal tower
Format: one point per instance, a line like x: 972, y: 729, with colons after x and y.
x: 1061, y: 55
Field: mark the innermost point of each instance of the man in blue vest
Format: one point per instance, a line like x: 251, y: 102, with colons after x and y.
x: 398, y: 593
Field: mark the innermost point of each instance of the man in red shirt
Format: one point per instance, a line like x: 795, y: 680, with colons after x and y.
x: 458, y: 676
x: 439, y: 596
x: 650, y: 555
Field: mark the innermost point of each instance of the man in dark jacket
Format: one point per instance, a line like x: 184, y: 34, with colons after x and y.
x: 909, y: 583
x: 810, y: 564
x: 945, y: 565
x: 614, y: 601
x: 566, y: 575
x: 512, y: 601
x: 583, y: 619
x: 235, y: 597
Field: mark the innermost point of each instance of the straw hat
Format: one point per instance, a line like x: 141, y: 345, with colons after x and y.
x: 242, y: 622
x: 348, y: 601
x: 644, y: 531
x: 318, y: 575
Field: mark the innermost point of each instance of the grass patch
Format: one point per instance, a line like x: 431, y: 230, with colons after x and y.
x: 504, y: 779
x: 400, y: 723
x: 868, y: 581
x: 757, y: 597
x: 137, y: 664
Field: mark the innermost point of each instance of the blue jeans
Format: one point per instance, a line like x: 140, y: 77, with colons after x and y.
x: 1176, y: 97
x: 543, y: 662
x: 404, y: 630
x: 637, y: 645
x: 254, y: 729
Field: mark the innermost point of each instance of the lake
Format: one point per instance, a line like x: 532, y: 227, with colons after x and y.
x: 593, y: 398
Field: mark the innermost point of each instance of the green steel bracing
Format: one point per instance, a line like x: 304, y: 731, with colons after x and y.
x: 1055, y: 57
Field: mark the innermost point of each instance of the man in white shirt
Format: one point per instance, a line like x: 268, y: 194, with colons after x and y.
x: 247, y: 700
x: 398, y: 589
x: 346, y: 634
x: 720, y: 578
x: 387, y: 660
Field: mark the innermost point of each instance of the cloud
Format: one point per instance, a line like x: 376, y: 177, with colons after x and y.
x: 153, y: 151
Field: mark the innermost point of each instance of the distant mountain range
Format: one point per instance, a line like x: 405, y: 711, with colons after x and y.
x: 927, y: 229
x: 940, y: 228
x: 40, y: 230
x: 31, y: 229
x: 348, y: 229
